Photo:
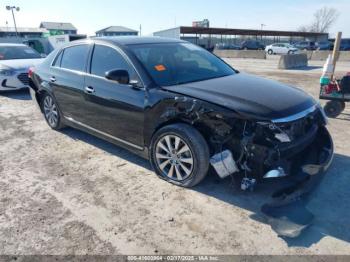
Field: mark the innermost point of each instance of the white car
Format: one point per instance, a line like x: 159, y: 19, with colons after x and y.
x: 281, y: 48
x: 15, y: 61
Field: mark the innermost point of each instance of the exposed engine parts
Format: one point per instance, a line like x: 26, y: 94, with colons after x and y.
x: 248, y: 184
x: 267, y: 149
x: 254, y: 149
x: 224, y: 164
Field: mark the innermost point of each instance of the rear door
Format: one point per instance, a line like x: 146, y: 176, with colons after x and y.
x: 116, y: 110
x: 67, y: 80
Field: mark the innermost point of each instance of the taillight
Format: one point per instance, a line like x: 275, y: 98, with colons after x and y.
x: 30, y: 72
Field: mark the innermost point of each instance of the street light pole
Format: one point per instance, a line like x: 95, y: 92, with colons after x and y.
x: 262, y: 28
x: 13, y: 15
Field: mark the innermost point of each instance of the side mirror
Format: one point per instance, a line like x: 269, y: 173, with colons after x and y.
x: 118, y: 75
x: 43, y: 55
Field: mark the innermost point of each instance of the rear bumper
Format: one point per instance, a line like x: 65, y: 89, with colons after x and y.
x: 286, y: 212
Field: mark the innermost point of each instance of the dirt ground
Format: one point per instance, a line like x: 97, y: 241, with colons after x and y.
x: 70, y: 193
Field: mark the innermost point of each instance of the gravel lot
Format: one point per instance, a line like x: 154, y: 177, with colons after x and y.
x: 70, y: 193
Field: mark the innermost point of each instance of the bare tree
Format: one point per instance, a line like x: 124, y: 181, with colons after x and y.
x: 324, y: 18
x: 303, y: 28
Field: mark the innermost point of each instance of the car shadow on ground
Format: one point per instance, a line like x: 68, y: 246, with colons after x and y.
x: 344, y: 117
x: 330, y: 202
x: 106, y: 146
x: 22, y: 94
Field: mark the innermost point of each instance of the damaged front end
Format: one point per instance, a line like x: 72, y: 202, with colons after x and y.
x: 298, y: 148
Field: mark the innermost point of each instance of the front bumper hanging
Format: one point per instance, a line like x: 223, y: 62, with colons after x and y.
x: 286, y: 212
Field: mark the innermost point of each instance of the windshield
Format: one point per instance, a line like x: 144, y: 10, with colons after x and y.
x: 179, y: 63
x: 17, y: 52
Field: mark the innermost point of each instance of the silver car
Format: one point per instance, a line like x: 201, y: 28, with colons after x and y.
x: 281, y: 48
x: 15, y: 61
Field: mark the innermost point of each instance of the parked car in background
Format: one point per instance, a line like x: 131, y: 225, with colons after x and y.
x: 183, y: 108
x: 306, y: 45
x: 281, y: 48
x: 224, y: 46
x: 252, y: 45
x: 345, y: 45
x: 15, y: 60
x: 324, y: 45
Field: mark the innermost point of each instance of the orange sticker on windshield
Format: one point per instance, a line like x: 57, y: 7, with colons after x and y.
x: 160, y: 68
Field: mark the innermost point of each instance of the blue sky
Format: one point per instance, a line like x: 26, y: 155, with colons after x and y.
x: 91, y: 15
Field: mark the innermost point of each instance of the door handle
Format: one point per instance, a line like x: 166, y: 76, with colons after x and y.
x: 89, y: 90
x: 53, y: 79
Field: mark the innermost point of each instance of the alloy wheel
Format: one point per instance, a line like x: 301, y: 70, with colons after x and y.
x: 50, y: 111
x: 174, y: 158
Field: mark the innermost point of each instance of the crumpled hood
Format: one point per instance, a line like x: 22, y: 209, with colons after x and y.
x: 249, y: 95
x: 21, y: 63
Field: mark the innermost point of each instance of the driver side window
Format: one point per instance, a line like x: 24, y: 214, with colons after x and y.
x: 105, y: 58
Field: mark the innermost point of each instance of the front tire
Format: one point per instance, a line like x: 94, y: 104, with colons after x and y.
x: 270, y: 52
x: 51, y: 112
x: 180, y: 155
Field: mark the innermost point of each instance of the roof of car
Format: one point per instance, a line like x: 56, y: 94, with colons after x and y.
x: 136, y: 40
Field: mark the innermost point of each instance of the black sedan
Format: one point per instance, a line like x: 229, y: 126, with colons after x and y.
x: 183, y: 108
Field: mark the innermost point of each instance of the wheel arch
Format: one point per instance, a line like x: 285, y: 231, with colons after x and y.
x: 207, y: 133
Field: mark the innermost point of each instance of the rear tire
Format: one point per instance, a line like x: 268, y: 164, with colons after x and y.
x: 51, y: 113
x: 334, y: 108
x: 179, y: 154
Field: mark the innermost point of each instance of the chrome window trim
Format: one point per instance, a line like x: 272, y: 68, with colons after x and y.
x: 295, y: 116
x: 104, y: 134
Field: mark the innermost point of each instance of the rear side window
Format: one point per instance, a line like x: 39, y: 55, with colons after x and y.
x: 75, y: 57
x: 57, y: 62
x: 105, y: 59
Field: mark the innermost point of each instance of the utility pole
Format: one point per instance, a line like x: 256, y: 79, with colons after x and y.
x: 140, y: 30
x: 13, y: 15
x: 262, y: 28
